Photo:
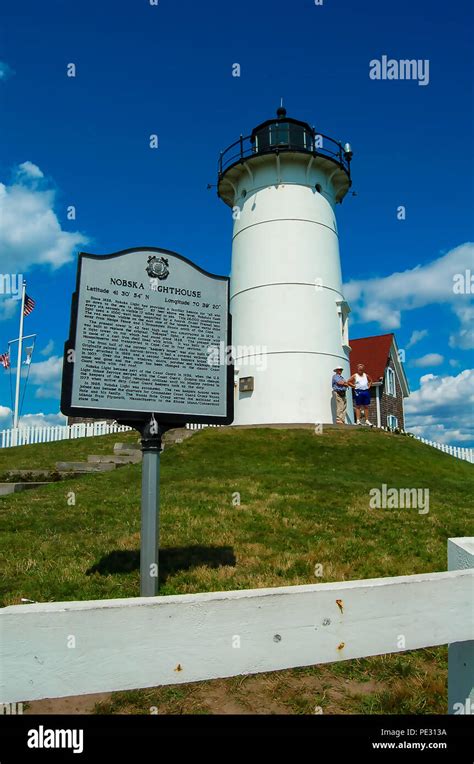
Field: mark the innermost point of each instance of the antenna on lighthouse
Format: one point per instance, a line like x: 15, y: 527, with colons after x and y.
x: 281, y: 111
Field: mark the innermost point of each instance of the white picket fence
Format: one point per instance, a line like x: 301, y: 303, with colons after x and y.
x: 123, y: 644
x: 202, y: 426
x: 24, y: 436
x: 467, y: 454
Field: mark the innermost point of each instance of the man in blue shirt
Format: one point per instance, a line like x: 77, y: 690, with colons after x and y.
x: 339, y: 386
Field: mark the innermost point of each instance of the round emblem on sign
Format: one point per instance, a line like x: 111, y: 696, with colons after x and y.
x: 157, y: 267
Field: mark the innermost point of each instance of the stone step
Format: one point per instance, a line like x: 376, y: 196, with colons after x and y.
x: 177, y: 435
x: 80, y: 467
x: 115, y: 458
x: 133, y: 456
x: 8, y: 488
x: 31, y: 473
x: 123, y: 449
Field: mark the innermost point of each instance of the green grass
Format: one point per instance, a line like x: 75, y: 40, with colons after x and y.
x: 45, y: 455
x: 304, y: 501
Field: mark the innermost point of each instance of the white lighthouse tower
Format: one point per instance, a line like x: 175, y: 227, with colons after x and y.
x: 289, y: 315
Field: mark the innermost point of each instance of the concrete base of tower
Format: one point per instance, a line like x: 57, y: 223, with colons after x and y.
x: 288, y: 388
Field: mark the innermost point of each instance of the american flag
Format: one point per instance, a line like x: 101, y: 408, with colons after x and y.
x: 29, y: 305
x: 5, y: 360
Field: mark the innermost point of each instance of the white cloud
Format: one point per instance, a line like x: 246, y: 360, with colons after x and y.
x: 47, y: 374
x: 430, y: 359
x: 5, y: 415
x: 31, y: 420
x: 464, y: 339
x: 5, y: 71
x: 39, y: 420
x: 49, y: 347
x: 29, y: 170
x: 8, y: 307
x: 441, y: 409
x: 383, y: 299
x: 439, y: 433
x: 47, y: 371
x: 46, y: 393
x: 30, y: 233
x: 416, y: 337
x: 454, y: 362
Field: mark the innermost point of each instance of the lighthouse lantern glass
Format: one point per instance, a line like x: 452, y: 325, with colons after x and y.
x: 284, y: 134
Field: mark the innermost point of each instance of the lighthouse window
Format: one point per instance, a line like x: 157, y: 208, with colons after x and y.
x: 299, y: 137
x: 284, y: 134
x: 343, y: 311
x: 279, y: 134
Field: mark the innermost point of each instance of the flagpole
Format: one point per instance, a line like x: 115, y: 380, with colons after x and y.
x: 20, y: 347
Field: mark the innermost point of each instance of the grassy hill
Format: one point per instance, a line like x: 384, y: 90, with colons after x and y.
x: 304, y: 502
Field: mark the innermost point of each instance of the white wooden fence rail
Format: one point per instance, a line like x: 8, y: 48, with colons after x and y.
x: 23, y: 436
x: 70, y: 648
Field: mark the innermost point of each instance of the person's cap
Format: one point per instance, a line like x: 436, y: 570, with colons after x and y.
x: 338, y: 368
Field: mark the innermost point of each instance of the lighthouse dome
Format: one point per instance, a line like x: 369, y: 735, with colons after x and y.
x: 282, y: 136
x: 283, y: 133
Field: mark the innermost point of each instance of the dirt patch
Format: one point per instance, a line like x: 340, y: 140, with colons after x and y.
x: 75, y: 704
x: 276, y: 693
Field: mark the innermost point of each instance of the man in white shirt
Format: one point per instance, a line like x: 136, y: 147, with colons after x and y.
x: 361, y: 382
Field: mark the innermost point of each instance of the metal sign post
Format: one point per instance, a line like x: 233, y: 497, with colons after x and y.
x: 151, y: 433
x: 150, y: 509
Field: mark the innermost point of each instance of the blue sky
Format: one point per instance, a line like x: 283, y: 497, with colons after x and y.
x: 167, y: 69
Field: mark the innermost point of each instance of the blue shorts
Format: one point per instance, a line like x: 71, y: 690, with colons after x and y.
x: 362, y: 397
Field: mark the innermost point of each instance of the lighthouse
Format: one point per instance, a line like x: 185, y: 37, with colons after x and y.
x: 289, y: 315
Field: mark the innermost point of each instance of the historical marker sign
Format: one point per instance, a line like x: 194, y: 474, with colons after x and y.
x: 148, y: 336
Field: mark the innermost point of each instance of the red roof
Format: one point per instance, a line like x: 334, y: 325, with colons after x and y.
x: 373, y: 352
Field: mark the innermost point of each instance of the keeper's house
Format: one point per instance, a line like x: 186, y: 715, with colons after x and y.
x: 381, y: 358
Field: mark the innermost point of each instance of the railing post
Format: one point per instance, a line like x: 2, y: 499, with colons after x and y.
x: 461, y: 654
x: 241, y: 147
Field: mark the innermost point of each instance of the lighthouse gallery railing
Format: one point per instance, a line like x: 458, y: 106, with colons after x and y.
x: 306, y: 141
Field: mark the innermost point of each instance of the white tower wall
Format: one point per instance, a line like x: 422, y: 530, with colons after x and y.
x: 287, y: 306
